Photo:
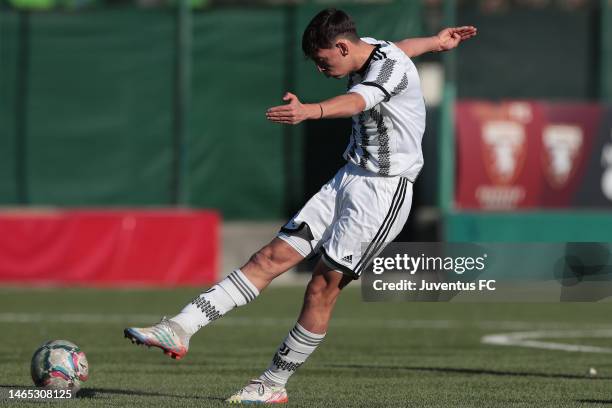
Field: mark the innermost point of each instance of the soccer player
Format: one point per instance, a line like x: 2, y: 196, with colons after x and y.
x: 367, y: 201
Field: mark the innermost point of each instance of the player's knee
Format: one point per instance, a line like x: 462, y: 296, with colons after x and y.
x: 262, y: 260
x: 267, y: 260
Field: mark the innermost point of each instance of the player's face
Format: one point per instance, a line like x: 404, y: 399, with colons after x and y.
x: 331, y: 63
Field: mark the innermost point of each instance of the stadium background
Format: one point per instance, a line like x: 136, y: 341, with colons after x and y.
x: 134, y: 152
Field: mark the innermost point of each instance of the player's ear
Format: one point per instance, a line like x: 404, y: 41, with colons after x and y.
x: 343, y: 47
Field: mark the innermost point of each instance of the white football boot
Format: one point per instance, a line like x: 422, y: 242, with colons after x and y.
x: 166, y: 335
x: 260, y: 392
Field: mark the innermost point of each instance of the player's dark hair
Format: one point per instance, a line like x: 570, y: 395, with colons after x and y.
x: 324, y: 28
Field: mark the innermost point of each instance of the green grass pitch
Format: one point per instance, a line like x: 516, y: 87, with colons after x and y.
x: 374, y: 355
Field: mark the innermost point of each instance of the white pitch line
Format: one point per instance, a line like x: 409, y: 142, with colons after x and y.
x: 73, y: 318
x: 96, y: 318
x: 434, y: 324
x: 530, y: 339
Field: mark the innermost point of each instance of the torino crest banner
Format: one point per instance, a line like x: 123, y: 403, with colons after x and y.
x: 521, y: 154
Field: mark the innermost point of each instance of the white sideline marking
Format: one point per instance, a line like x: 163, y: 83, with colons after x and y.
x: 527, y: 339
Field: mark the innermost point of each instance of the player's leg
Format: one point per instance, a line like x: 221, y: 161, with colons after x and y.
x: 319, y: 301
x: 240, y: 287
x: 303, y: 339
x: 373, y: 212
x: 293, y: 243
x: 237, y: 289
x: 320, y: 298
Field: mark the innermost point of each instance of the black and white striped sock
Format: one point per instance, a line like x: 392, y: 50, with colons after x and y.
x: 291, y: 354
x: 234, y: 290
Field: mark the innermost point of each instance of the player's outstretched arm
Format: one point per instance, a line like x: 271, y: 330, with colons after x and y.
x: 446, y: 39
x: 294, y: 112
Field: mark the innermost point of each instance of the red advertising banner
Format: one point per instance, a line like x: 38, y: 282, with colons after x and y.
x: 125, y: 248
x: 520, y: 154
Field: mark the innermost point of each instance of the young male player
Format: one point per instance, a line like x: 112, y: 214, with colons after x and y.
x: 367, y: 201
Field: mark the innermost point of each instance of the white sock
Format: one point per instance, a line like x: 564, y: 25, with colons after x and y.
x: 234, y: 290
x: 292, y: 353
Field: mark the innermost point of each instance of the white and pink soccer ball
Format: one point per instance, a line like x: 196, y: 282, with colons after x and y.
x: 59, y: 364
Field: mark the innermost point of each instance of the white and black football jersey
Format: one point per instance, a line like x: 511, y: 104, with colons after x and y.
x: 386, y: 137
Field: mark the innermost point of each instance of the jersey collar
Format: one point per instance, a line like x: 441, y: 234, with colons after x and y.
x: 366, y: 64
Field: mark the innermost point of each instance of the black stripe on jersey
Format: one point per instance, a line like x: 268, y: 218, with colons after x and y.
x: 356, y: 128
x: 379, y: 86
x: 365, y: 142
x: 389, y: 219
x: 401, y: 86
x: 385, y: 71
x: 379, y: 55
x: 384, y: 151
x: 383, y: 76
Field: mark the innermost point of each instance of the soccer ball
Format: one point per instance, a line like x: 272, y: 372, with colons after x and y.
x: 59, y: 364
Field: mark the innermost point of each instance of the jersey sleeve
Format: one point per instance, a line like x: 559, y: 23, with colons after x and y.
x: 385, y: 78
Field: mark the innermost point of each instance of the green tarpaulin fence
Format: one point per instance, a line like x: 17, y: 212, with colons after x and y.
x: 88, y: 104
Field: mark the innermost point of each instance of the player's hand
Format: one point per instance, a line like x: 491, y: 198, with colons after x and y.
x: 450, y: 38
x: 292, y: 113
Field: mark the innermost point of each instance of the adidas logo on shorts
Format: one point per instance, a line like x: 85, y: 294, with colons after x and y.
x: 348, y: 259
